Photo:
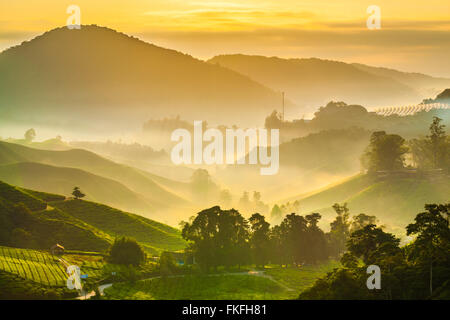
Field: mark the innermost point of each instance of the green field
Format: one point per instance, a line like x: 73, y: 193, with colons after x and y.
x: 300, y: 278
x: 274, y: 284
x: 208, y: 287
x: 44, y: 268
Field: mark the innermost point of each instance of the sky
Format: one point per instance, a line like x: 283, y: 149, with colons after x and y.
x: 414, y: 34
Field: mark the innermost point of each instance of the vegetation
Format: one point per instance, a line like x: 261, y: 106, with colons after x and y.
x: 214, y: 287
x: 386, y: 152
x: 76, y: 224
x: 126, y: 251
x: 77, y: 193
x: 224, y: 238
x: 409, y: 272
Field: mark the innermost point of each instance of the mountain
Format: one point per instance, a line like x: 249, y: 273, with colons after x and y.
x: 84, y: 79
x: 425, y: 85
x: 314, y: 82
x: 38, y: 220
x: 87, y: 161
x: 394, y: 200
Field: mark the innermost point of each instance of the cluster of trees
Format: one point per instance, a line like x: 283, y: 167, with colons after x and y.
x: 433, y: 151
x: 225, y: 238
x: 418, y: 270
x: 339, y: 115
x: 278, y: 212
x: 388, y: 152
x: 255, y: 204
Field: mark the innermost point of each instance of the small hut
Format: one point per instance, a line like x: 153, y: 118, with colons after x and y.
x: 57, y: 250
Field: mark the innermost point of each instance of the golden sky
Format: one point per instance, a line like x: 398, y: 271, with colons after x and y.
x: 414, y: 34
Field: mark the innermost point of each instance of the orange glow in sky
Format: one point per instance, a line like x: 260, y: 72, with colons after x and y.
x: 415, y: 34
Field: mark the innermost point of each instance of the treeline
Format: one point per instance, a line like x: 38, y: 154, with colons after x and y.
x: 219, y: 237
x: 419, y: 270
x: 339, y: 115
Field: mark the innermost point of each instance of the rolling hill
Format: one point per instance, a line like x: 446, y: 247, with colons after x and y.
x: 38, y: 220
x: 394, y: 200
x: 314, y: 82
x: 62, y: 180
x: 83, y: 78
x: 133, y: 179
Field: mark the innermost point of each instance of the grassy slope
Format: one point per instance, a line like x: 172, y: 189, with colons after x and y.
x: 61, y: 180
x: 151, y: 234
x: 394, y: 201
x: 90, y: 162
x: 77, y: 224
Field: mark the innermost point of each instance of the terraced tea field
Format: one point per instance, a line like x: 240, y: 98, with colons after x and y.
x: 33, y: 265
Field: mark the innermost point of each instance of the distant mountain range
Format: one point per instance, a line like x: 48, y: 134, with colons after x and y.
x: 101, y: 80
x: 96, y: 73
x: 310, y: 83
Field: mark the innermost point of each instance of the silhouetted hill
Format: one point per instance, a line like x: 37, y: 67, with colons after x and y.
x: 96, y: 73
x: 313, y: 82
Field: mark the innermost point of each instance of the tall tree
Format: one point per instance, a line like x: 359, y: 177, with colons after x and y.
x: 259, y: 239
x: 433, y: 236
x: 339, y: 229
x: 437, y: 141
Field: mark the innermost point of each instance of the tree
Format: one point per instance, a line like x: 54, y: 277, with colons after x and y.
x: 294, y: 229
x: 77, y: 193
x: 225, y: 198
x: 339, y: 229
x: 437, y: 140
x: 218, y: 237
x: 30, y: 134
x: 365, y: 242
x: 276, y: 212
x: 259, y: 239
x: 434, y: 150
x: 433, y: 236
x: 126, y: 251
x: 316, y: 248
x: 362, y: 220
x: 203, y: 186
x: 386, y: 152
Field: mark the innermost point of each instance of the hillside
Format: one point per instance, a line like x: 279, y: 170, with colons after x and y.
x: 62, y: 180
x: 395, y: 201
x: 87, y: 161
x: 97, y: 75
x: 32, y: 219
x: 313, y: 82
